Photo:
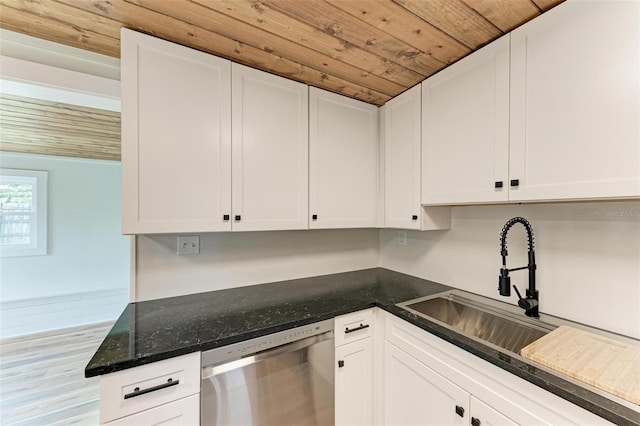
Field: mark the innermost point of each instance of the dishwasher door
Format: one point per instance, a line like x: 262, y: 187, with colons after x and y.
x: 291, y: 384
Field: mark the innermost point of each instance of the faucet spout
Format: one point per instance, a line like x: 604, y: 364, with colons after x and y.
x: 530, y: 302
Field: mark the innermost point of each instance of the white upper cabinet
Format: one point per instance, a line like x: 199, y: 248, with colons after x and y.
x: 176, y: 137
x: 270, y: 151
x: 465, y: 129
x: 552, y: 115
x: 402, y: 160
x: 343, y: 161
x: 402, y: 168
x: 575, y: 103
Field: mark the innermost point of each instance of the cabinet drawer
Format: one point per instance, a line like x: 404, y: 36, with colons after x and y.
x: 183, y: 412
x: 354, y: 326
x: 134, y: 390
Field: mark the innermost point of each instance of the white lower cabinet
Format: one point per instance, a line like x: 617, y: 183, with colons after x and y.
x: 354, y: 383
x: 428, y: 381
x: 354, y: 369
x: 482, y: 414
x: 183, y: 412
x: 163, y: 392
x: 416, y: 395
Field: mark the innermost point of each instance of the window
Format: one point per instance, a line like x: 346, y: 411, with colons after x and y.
x: 23, y: 212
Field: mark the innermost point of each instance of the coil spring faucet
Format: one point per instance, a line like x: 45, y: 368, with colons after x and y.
x: 529, y: 303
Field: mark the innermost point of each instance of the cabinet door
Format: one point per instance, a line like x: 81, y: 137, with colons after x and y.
x: 402, y: 160
x: 183, y: 412
x: 416, y: 395
x: 487, y: 416
x: 176, y: 137
x: 575, y: 103
x: 270, y: 152
x: 343, y: 161
x: 465, y: 129
x: 354, y: 383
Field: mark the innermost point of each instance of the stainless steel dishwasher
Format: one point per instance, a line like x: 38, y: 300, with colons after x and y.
x: 285, y: 378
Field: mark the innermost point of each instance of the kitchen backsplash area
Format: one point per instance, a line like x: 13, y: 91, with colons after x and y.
x: 238, y: 259
x: 588, y: 258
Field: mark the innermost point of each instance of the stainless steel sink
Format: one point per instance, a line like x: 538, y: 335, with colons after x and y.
x: 501, y: 326
x: 497, y: 323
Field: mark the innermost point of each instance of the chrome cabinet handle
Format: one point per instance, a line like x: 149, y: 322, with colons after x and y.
x: 138, y: 392
x: 351, y: 330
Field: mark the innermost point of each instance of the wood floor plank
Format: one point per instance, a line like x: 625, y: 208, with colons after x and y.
x: 42, y: 377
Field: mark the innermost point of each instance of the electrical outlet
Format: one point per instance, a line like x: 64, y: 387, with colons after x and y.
x: 188, y: 244
x: 402, y: 238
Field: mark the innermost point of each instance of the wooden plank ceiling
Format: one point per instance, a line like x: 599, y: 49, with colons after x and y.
x: 50, y: 128
x: 366, y: 49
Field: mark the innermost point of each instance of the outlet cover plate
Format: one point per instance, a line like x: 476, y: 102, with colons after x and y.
x: 402, y: 238
x: 188, y: 244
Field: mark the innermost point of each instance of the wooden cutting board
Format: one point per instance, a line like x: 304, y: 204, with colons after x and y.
x: 607, y: 364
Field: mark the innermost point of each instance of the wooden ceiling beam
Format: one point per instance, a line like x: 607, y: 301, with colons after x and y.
x: 455, y: 18
x: 399, y: 23
x: 261, y: 16
x: 545, y: 5
x: 168, y: 28
x: 46, y: 149
x: 58, y: 126
x: 505, y: 14
x: 57, y: 31
x: 52, y: 128
x: 370, y: 50
x: 209, y: 19
x: 62, y: 13
x: 57, y: 110
x: 352, y: 31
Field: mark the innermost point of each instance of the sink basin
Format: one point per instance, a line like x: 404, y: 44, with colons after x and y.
x: 500, y: 324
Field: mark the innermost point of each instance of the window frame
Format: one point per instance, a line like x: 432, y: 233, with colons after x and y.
x: 38, y: 245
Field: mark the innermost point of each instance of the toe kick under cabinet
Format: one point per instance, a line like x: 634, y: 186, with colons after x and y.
x: 428, y: 381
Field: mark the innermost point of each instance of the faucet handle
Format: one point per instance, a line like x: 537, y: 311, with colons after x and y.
x: 529, y: 304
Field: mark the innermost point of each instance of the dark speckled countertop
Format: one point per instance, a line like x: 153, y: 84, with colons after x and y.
x: 159, y: 329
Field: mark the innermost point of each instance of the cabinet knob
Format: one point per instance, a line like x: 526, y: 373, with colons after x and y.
x: 314, y: 217
x: 225, y: 217
x: 515, y: 182
x: 460, y: 411
x: 475, y: 421
x: 498, y: 184
x: 238, y: 218
x: 340, y: 363
x: 414, y: 217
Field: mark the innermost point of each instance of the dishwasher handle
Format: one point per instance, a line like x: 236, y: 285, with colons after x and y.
x: 213, y: 370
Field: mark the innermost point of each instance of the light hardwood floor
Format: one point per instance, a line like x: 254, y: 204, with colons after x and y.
x: 42, y: 377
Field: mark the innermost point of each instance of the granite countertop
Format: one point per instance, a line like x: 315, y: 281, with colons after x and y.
x: 160, y: 329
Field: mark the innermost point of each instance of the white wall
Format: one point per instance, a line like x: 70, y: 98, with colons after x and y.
x: 244, y: 258
x: 87, y: 257
x: 588, y: 257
